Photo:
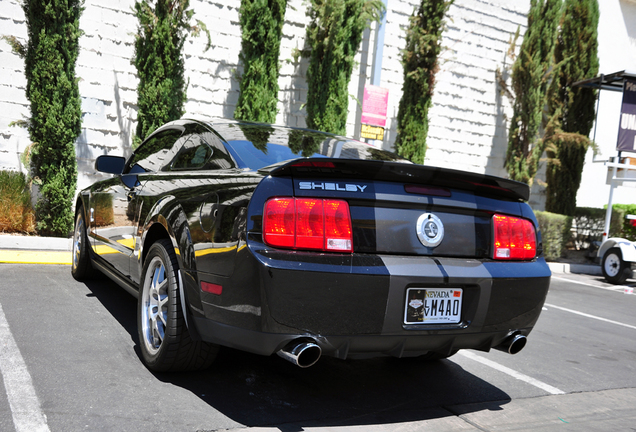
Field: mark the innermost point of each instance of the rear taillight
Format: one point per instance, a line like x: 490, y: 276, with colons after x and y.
x: 308, y: 223
x: 514, y: 238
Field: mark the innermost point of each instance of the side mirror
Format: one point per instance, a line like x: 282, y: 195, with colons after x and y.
x: 110, y: 164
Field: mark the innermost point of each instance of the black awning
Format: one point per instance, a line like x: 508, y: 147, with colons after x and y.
x: 613, y: 82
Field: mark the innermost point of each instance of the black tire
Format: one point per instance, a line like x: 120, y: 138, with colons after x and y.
x: 166, y: 344
x: 615, y: 270
x: 81, y: 267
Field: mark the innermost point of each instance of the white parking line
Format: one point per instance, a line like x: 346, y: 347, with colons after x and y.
x: 24, y: 403
x: 614, y: 288
x: 513, y: 373
x: 591, y: 316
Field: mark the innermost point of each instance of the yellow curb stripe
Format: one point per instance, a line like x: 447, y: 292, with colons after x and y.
x: 35, y: 257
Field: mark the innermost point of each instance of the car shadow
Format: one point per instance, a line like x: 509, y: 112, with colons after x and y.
x: 255, y: 390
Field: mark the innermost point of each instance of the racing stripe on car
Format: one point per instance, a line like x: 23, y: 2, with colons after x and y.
x: 408, y: 272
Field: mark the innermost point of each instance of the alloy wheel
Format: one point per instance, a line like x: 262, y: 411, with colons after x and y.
x: 154, y: 307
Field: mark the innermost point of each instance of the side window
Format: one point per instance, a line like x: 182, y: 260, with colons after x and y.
x: 202, y: 151
x: 154, y: 154
x: 193, y: 155
x: 220, y: 157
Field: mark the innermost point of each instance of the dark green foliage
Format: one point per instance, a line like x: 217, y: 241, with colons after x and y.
x: 334, y: 35
x: 50, y: 56
x: 572, y: 108
x: 423, y: 45
x: 566, y: 153
x: 555, y: 233
x: 261, y: 28
x: 530, y: 76
x: 628, y: 230
x: 161, y: 92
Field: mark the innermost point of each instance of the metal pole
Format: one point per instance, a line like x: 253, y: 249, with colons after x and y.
x: 608, y: 213
x: 376, y: 73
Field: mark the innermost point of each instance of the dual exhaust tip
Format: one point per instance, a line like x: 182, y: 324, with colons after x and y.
x: 301, y: 353
x: 306, y: 353
x: 513, y: 343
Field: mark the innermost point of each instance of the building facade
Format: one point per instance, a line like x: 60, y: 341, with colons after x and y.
x: 468, y: 119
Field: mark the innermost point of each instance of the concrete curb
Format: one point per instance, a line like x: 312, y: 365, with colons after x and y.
x: 589, y: 269
x: 8, y: 241
x: 18, y: 249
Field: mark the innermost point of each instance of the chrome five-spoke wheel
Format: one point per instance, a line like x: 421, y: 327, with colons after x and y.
x: 154, y: 307
x: 164, y: 338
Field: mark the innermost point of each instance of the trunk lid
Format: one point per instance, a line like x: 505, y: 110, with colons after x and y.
x: 391, y: 201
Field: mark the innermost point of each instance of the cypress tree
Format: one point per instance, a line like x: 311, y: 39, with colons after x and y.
x: 55, y: 122
x: 423, y: 45
x: 261, y: 28
x: 334, y: 35
x: 530, y: 74
x: 161, y: 92
x: 572, y: 108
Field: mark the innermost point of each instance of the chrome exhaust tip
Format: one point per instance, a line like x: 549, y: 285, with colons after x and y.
x: 513, y: 344
x: 302, y: 354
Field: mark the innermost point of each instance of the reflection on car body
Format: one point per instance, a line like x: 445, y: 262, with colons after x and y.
x: 281, y: 240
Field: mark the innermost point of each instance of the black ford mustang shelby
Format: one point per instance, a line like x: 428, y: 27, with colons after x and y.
x: 271, y: 239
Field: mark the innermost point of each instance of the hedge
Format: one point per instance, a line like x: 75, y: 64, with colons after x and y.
x: 555, y: 233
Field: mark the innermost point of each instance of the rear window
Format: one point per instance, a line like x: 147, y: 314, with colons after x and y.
x: 255, y: 146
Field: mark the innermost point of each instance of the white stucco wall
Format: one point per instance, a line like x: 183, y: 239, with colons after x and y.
x: 468, y: 128
x: 468, y: 119
x: 14, y: 105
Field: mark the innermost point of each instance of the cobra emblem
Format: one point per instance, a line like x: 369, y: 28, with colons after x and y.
x: 430, y: 230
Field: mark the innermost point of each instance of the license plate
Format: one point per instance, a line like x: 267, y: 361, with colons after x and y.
x: 433, y: 306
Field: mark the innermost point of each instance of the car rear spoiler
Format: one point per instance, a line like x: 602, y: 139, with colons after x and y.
x: 480, y: 184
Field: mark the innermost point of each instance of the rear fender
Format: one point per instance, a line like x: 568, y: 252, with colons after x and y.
x: 160, y: 222
x: 628, y: 249
x: 167, y: 220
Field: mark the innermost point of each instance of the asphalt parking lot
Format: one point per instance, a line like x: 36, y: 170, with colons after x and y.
x: 70, y: 362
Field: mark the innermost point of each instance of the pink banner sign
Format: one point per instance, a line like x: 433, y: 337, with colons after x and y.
x: 374, y: 105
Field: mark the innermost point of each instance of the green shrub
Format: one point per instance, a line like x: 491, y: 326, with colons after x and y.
x: 419, y: 59
x: 529, y: 85
x: 56, y: 115
x: 572, y: 109
x: 629, y: 230
x: 261, y: 29
x: 555, y: 233
x: 16, y: 213
x: 161, y: 92
x: 334, y: 35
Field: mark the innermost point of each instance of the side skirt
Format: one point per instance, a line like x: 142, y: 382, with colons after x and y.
x: 116, y: 277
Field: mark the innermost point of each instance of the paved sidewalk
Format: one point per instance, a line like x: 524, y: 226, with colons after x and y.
x: 17, y: 249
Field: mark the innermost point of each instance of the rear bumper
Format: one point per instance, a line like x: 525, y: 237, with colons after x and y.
x: 351, y: 346
x: 353, y: 306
